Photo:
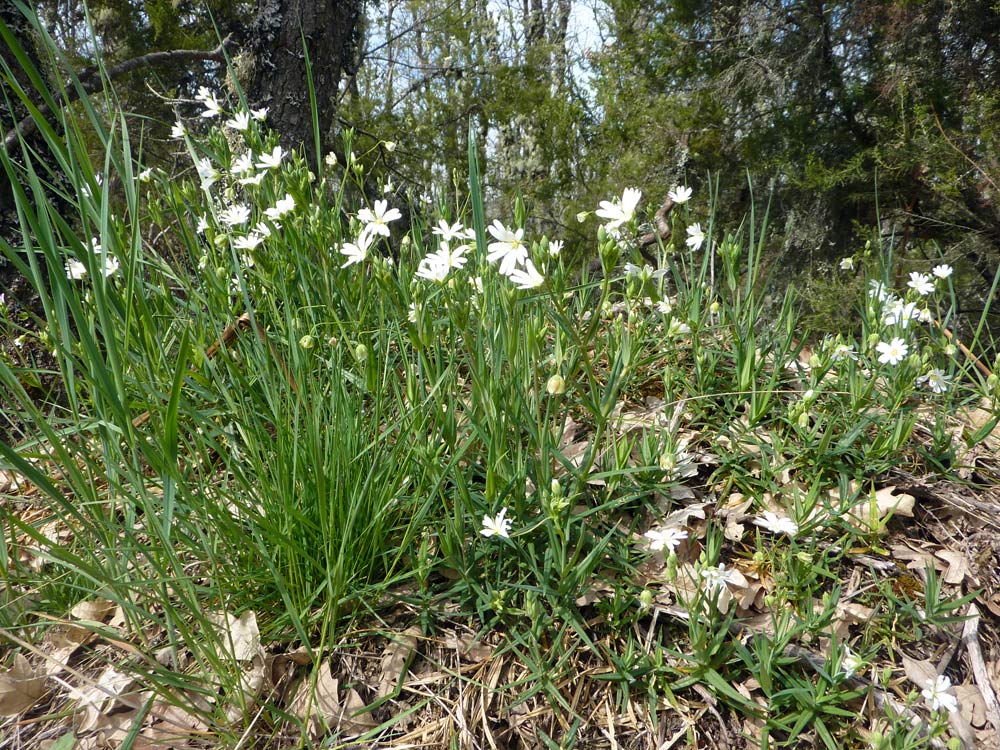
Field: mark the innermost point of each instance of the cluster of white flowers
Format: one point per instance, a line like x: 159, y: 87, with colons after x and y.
x: 437, y: 265
x: 108, y: 263
x: 897, y: 314
x: 509, y: 249
x: 375, y: 223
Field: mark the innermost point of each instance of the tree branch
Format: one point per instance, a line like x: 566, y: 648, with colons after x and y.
x: 91, y: 81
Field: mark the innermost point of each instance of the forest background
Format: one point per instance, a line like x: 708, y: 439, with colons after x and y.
x: 856, y: 121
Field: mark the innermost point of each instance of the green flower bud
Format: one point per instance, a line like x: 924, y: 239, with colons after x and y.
x: 307, y: 342
x: 556, y: 385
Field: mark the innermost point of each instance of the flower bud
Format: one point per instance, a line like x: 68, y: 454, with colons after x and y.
x: 556, y: 385
x: 307, y: 342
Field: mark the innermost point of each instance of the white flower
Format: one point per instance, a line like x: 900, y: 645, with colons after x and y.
x: 877, y: 290
x: 356, y: 252
x: 936, y: 693
x: 717, y: 578
x: 921, y: 282
x: 892, y: 353
x: 448, y: 232
x: 240, y: 122
x: 212, y: 106
x: 248, y: 242
x: 109, y: 265
x: 695, y: 236
x: 666, y: 537
x: 207, y: 172
x: 234, y: 215
x: 677, y: 328
x: 843, y: 351
x: 508, y: 248
x: 264, y: 230
x: 252, y: 179
x: 555, y: 247
x: 202, y: 226
x: 497, y: 526
x: 777, y: 524
x: 272, y: 160
x: 242, y: 164
x: 622, y: 210
x: 680, y: 194
x: 259, y: 114
x: 433, y: 268
x: 847, y: 264
x: 377, y: 221
x: 850, y: 662
x: 901, y: 313
x: 943, y: 271
x: 664, y: 307
x: 75, y: 269
x: 936, y: 380
x: 146, y: 175
x: 282, y: 207
x: 178, y: 131
x: 526, y: 278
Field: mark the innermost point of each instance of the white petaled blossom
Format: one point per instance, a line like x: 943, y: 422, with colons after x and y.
x: 943, y: 271
x: 678, y: 328
x: 925, y: 316
x: 936, y: 380
x: 207, y: 172
x: 202, y: 226
x: 249, y: 242
x: 448, y: 232
x: 178, y: 131
x: 255, y: 179
x: 433, y: 268
x: 680, y: 194
x: 498, y: 525
x: 240, y: 121
x: 622, y: 210
x: 242, y: 164
x: 282, y: 207
x: 109, y: 265
x: 847, y: 264
x: 271, y: 160
x: 921, y: 282
x: 75, y: 269
x: 259, y: 114
x: 146, y: 175
x: 377, y: 220
x: 893, y: 352
x: 843, y: 351
x: 717, y: 578
x: 212, y: 106
x: 777, y: 524
x: 264, y: 230
x: 665, y: 538
x: 850, y: 662
x: 234, y: 215
x: 555, y: 247
x: 695, y: 237
x: 901, y: 313
x: 356, y: 252
x: 877, y: 290
x: 936, y: 694
x: 526, y: 278
x: 508, y: 248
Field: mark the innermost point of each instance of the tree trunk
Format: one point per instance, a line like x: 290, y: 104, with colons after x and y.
x: 330, y: 29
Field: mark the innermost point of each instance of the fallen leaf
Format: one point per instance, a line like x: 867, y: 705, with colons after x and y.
x: 395, y: 658
x: 21, y: 687
x: 958, y: 567
x: 240, y: 634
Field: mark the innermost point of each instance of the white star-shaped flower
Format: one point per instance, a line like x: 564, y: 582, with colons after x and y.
x: 496, y: 526
x: 680, y: 194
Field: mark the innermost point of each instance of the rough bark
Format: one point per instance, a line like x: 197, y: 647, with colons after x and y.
x: 330, y: 29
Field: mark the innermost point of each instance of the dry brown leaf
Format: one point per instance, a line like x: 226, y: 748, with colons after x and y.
x: 957, y: 567
x: 318, y: 708
x: 355, y: 720
x: 919, y: 672
x: 21, y: 687
x: 870, y: 512
x: 395, y: 657
x: 94, y: 701
x: 238, y: 634
x: 971, y: 704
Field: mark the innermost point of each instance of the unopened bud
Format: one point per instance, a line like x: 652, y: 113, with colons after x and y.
x: 556, y: 385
